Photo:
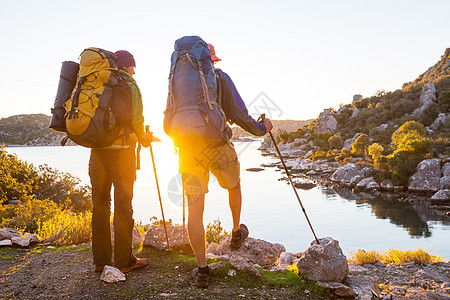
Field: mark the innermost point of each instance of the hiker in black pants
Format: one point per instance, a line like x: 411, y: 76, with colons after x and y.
x: 116, y: 165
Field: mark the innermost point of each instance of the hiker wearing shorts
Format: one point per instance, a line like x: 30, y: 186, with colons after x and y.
x: 116, y: 165
x: 198, y: 157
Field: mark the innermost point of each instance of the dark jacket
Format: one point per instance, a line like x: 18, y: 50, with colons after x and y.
x: 234, y: 107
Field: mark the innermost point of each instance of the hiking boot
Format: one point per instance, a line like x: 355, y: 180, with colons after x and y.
x: 201, y: 276
x: 238, y: 236
x: 140, y: 263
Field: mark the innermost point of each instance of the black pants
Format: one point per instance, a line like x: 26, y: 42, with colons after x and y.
x: 106, y: 168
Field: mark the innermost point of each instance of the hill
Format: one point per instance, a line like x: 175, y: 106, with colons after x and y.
x: 392, y: 132
x: 278, y: 126
x: 28, y: 130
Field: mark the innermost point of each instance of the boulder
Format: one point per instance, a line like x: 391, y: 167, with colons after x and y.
x: 243, y: 264
x: 138, y: 237
x: 428, y: 175
x: 355, y: 180
x: 22, y: 241
x: 345, y: 173
x: 440, y: 120
x: 156, y: 237
x: 356, y: 98
x: 304, y: 184
x: 326, y: 123
x: 441, y: 195
x: 363, y: 287
x: 256, y: 251
x: 368, y: 184
x: 444, y: 182
x: 8, y: 233
x: 348, y: 142
x: 355, y: 113
x: 338, y: 288
x: 387, y: 185
x: 427, y: 97
x: 324, y: 262
x: 285, y: 258
x: 111, y: 275
x: 446, y: 169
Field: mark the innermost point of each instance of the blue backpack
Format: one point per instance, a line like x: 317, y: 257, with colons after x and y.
x: 192, y: 109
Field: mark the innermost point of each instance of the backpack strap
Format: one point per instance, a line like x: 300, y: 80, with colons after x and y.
x: 73, y: 113
x: 204, y: 86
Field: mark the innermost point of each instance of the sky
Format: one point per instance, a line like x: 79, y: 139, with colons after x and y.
x: 290, y: 59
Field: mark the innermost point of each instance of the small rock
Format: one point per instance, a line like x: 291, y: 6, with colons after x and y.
x: 243, y: 264
x: 212, y: 248
x: 307, y: 292
x: 338, y: 288
x: 355, y: 269
x: 23, y: 241
x: 254, y: 169
x: 111, y: 274
x: 231, y: 272
x: 5, y: 243
x: 363, y: 287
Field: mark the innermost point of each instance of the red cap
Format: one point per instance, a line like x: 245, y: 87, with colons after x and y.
x: 214, y: 58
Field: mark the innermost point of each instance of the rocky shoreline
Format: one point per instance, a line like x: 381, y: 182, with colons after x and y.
x: 324, y: 263
x: 429, y: 187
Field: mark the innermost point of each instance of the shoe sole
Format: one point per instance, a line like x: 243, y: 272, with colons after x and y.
x: 133, y: 267
x: 200, y: 284
x: 237, y: 246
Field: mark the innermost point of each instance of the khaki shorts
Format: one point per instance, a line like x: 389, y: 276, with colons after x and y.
x: 198, y: 159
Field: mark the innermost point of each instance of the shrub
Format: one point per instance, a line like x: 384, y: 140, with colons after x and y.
x: 362, y: 257
x: 18, y: 180
x: 159, y: 222
x: 21, y: 181
x: 408, y: 127
x: 322, y: 140
x: 375, y: 151
x: 419, y: 256
x: 29, y: 215
x: 361, y: 144
x: 49, y: 220
x: 335, y: 142
x: 429, y: 114
x: 67, y: 228
x: 444, y: 101
x: 214, y: 232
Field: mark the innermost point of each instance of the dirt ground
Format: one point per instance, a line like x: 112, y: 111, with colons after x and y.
x: 67, y: 273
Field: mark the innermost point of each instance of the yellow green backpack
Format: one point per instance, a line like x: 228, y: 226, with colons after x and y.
x: 98, y: 111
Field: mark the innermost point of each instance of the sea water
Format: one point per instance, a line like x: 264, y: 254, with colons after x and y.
x: 270, y: 208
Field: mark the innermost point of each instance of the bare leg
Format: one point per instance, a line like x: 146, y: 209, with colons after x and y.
x: 235, y: 202
x: 196, y: 230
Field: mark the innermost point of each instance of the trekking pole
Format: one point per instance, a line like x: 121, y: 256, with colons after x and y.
x: 147, y: 129
x: 260, y: 120
x: 184, y: 214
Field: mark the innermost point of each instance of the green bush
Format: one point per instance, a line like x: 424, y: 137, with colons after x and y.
x: 359, y: 147
x: 50, y: 221
x: 429, y: 114
x: 335, y: 142
x: 321, y: 140
x: 444, y: 101
x: 22, y: 182
x: 215, y: 232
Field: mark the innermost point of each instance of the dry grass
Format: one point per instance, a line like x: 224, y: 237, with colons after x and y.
x: 397, y: 256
